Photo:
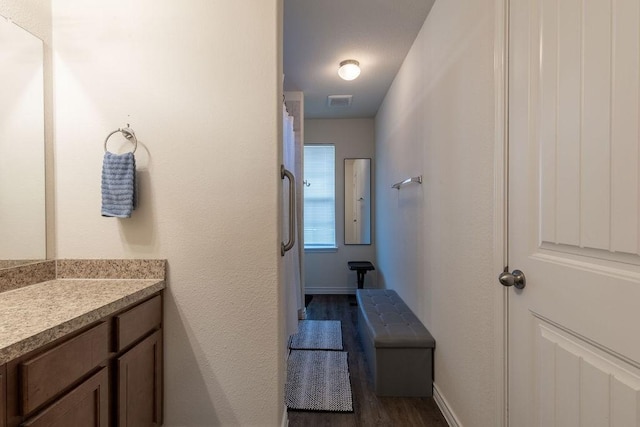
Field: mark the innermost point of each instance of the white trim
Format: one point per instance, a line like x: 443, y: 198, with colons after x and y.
x: 320, y: 249
x: 328, y: 290
x: 442, y: 403
x: 285, y: 418
x: 501, y: 211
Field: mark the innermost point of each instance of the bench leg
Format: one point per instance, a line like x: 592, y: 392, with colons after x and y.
x: 361, y: 274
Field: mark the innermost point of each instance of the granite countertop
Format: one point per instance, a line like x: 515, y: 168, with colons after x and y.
x: 38, y: 314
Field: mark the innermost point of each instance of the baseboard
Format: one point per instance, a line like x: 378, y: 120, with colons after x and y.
x: 285, y: 418
x: 329, y: 290
x: 442, y: 403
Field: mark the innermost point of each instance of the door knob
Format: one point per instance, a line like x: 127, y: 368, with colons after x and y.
x: 516, y: 279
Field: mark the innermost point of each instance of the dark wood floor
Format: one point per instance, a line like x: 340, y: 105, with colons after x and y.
x: 368, y: 409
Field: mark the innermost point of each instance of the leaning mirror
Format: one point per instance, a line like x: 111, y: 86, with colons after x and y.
x: 357, y: 201
x: 22, y: 180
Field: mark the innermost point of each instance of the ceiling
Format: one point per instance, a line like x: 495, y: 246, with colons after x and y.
x: 319, y: 34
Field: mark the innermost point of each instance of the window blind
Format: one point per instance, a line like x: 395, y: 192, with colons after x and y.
x: 319, y: 196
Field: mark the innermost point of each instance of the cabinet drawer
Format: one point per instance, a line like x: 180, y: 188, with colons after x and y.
x: 86, y: 405
x: 47, y: 374
x: 137, y: 322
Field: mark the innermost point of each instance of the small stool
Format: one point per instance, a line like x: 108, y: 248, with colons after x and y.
x: 361, y: 268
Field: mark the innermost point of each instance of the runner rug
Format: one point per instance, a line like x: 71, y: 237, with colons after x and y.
x: 318, y: 381
x: 317, y: 335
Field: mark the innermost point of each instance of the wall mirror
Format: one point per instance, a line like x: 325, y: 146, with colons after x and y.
x: 22, y: 175
x: 357, y: 201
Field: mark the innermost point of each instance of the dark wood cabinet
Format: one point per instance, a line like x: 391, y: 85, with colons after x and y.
x: 137, y: 322
x: 86, y: 405
x: 3, y: 396
x: 47, y: 374
x: 107, y: 374
x: 140, y: 384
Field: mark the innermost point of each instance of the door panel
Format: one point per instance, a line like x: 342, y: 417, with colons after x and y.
x: 588, y: 127
x: 574, y: 199
x: 582, y: 384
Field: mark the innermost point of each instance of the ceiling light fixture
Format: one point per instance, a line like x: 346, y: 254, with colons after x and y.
x: 349, y: 69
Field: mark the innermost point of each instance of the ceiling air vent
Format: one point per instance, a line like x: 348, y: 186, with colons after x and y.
x: 339, y: 100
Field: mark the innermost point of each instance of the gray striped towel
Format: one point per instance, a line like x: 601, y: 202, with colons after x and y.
x: 118, y: 185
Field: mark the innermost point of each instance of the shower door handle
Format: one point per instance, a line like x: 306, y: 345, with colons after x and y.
x: 284, y: 247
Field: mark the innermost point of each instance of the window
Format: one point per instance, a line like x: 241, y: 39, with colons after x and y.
x: 319, y: 196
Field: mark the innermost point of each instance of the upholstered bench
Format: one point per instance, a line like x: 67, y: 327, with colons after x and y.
x: 397, y: 346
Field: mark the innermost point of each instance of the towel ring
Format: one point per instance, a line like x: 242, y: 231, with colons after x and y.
x: 128, y: 133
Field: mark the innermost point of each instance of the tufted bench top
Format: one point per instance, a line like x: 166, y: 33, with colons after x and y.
x: 391, y: 323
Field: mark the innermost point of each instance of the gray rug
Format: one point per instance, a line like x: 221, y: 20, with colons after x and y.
x: 318, y: 381
x: 317, y: 335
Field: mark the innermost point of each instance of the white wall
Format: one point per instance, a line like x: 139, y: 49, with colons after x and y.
x: 327, y: 272
x: 435, y: 240
x: 32, y: 15
x: 200, y: 86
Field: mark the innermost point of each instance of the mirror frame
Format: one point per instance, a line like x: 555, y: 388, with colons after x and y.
x: 348, y: 223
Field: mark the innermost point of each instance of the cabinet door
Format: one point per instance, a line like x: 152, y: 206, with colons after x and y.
x: 140, y: 384
x: 3, y: 396
x: 86, y: 405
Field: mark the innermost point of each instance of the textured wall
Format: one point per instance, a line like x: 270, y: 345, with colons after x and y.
x: 200, y: 87
x: 435, y: 239
x: 32, y: 15
x: 327, y: 272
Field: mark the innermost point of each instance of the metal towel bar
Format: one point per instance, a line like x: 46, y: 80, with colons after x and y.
x: 416, y: 179
x: 284, y: 247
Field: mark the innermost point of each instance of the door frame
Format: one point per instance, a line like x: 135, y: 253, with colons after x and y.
x: 501, y: 207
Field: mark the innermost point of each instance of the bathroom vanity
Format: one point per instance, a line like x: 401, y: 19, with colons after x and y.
x: 80, y: 340
x: 82, y: 351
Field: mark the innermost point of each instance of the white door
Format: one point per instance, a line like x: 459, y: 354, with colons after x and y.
x: 574, y: 199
